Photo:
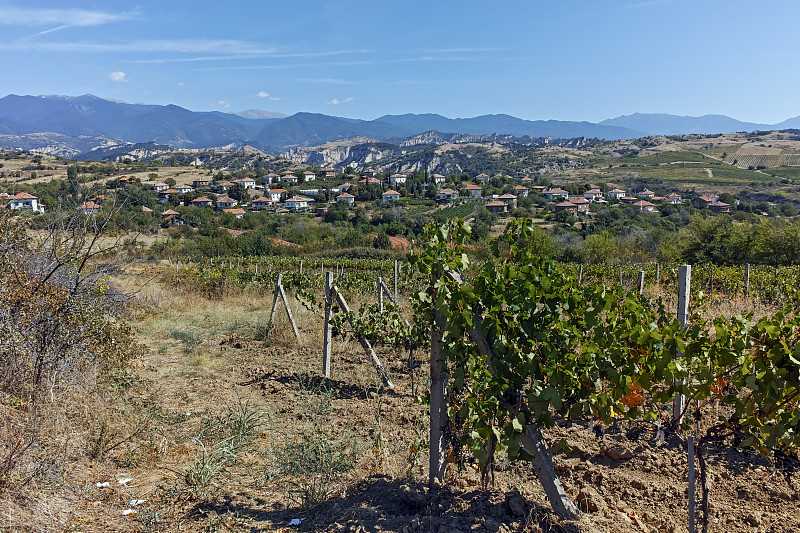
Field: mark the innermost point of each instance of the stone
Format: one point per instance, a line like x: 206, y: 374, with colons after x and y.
x: 619, y: 453
x: 411, y: 497
x: 638, y: 484
x: 517, y: 505
x: 589, y: 500
x: 753, y: 518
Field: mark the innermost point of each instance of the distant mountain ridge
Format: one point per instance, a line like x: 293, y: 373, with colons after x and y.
x: 67, y: 125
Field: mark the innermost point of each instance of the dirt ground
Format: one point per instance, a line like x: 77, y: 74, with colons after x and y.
x: 348, y: 455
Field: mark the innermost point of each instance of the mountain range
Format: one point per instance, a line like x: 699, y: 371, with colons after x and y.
x: 69, y: 125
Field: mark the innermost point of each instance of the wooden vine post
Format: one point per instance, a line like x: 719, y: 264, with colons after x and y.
x: 641, y: 281
x: 336, y: 297
x: 281, y: 294
x: 580, y: 274
x: 684, y: 284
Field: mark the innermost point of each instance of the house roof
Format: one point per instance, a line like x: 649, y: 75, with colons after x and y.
x: 327, y: 169
x: 556, y: 191
x: 643, y: 203
x: 201, y: 199
x: 235, y: 211
x: 482, y: 175
x: 262, y: 200
x: 146, y: 209
x: 495, y: 203
x: 278, y: 191
x: 507, y: 197
x: 23, y: 196
x: 225, y: 200
x: 448, y: 191
x: 520, y: 188
x: 89, y: 205
x: 170, y: 212
x: 618, y: 191
x: 345, y: 195
x: 390, y: 192
x: 566, y: 204
x: 473, y: 188
x: 298, y: 199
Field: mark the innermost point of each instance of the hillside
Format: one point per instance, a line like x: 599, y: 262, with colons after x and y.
x: 72, y: 125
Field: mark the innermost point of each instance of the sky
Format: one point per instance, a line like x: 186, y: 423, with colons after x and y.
x: 533, y: 59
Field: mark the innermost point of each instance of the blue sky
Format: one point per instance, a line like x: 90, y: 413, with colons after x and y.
x: 535, y: 59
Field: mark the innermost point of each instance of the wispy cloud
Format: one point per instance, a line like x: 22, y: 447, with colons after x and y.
x: 245, y: 50
x: 336, y: 101
x: 221, y: 104
x: 262, y: 94
x: 180, y: 46
x: 336, y: 81
x: 119, y: 76
x: 583, y: 14
x: 33, y: 17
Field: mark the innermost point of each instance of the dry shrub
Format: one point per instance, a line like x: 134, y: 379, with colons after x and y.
x: 61, y: 346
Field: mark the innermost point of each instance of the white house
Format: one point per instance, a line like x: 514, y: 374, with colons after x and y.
x: 288, y: 177
x: 390, y: 196
x: 438, y: 179
x: 275, y: 194
x: 447, y: 194
x: 347, y: 198
x: 89, y: 208
x: 297, y: 203
x: 556, y: 193
x: 646, y: 194
x: 520, y: 190
x: 223, y: 202
x: 615, y: 194
x: 309, y: 176
x: 159, y: 187
x: 396, y: 180
x: 593, y: 195
x: 261, y: 203
x: 483, y: 178
x: 474, y: 191
x: 509, y: 199
x: 237, y: 212
x: 24, y: 200
x: 183, y: 189
x: 247, y: 183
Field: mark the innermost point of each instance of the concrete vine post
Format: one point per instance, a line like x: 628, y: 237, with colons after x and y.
x: 684, y: 284
x: 380, y: 294
x: 438, y: 445
x: 328, y: 331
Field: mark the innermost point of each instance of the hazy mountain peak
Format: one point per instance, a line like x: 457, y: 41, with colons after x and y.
x: 259, y: 114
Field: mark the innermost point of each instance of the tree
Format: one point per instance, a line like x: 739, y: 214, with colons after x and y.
x: 382, y: 241
x: 238, y: 192
x: 170, y: 181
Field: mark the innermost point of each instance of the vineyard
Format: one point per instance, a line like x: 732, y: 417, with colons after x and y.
x: 777, y: 286
x: 523, y: 345
x: 731, y: 154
